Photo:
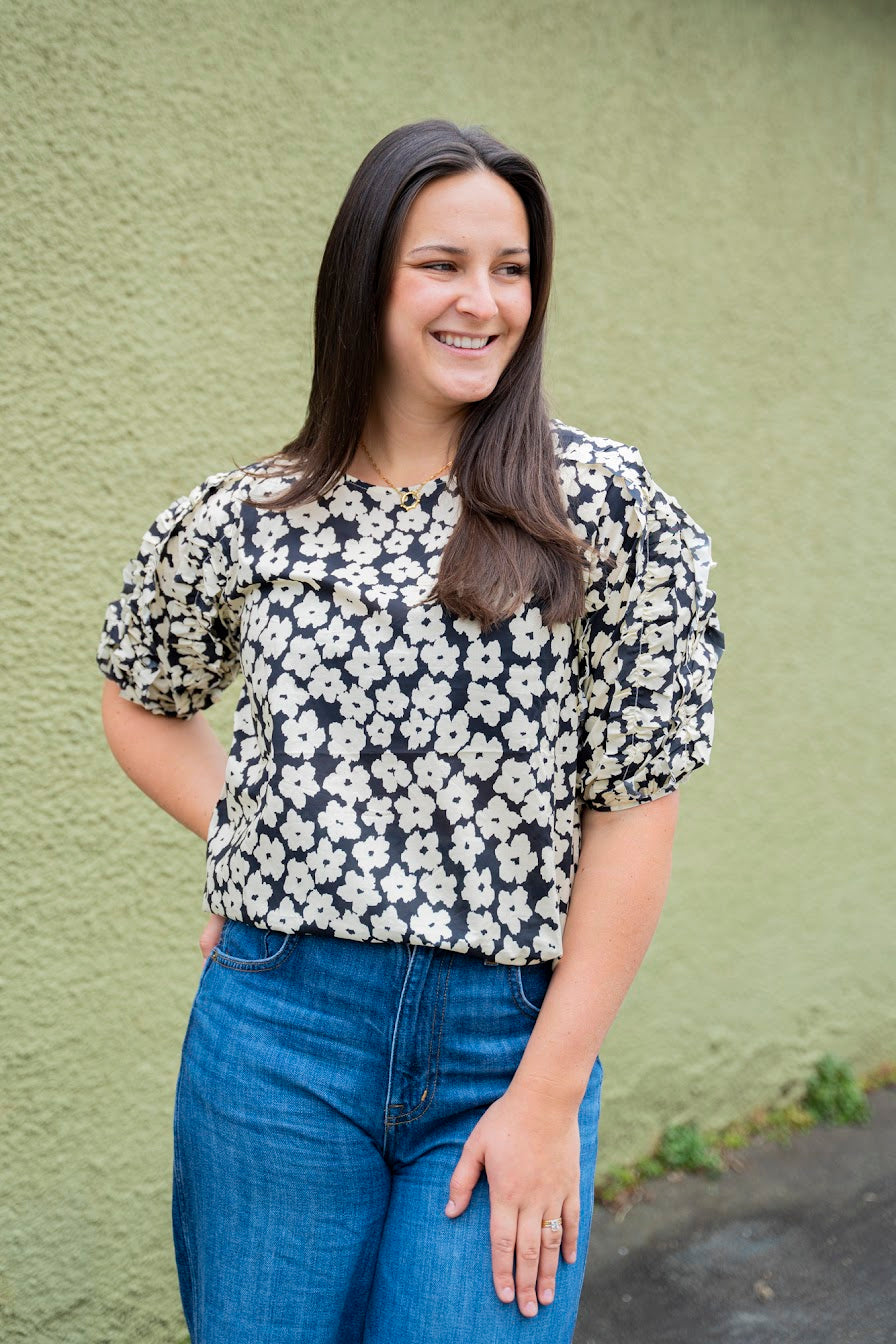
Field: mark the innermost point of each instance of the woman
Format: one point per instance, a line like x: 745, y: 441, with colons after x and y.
x: 478, y: 648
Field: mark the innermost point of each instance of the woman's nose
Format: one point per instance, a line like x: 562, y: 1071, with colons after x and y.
x: 477, y: 298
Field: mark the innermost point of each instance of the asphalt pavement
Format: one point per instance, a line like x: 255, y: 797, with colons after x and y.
x: 797, y: 1247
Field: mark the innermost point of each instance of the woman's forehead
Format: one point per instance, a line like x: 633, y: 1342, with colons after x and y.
x: 464, y: 210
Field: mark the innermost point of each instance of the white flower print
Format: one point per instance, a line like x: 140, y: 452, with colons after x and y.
x: 483, y: 931
x: 325, y: 683
x: 327, y: 861
x: 257, y: 896
x: 377, y: 630
x: 440, y: 660
x: 485, y: 701
x: 418, y: 729
x: 320, y: 543
x: 364, y: 666
x: 400, y: 657
x: 515, y: 954
x: 378, y: 815
x: 478, y: 890
x: 529, y: 635
x: 390, y: 755
x: 303, y: 735
x: 356, y: 704
x: 336, y: 639
x: 458, y: 799
x: 437, y: 886
x: 524, y: 684
x: 272, y: 860
x: 484, y: 662
x: 452, y: 733
x: 422, y: 850
x: 298, y: 783
x: 521, y: 731
x: 513, y: 780
x: 338, y: 820
x: 515, y: 859
x: 431, y: 771
x: 414, y: 810
x: 392, y: 772
x: 380, y: 731
x: 513, y: 909
x: 390, y: 701
x: 297, y: 831
x: 430, y: 925
x: 482, y: 757
x: 398, y: 884
x: 433, y: 694
x: 346, y: 739
x: 356, y: 890
x: 466, y: 844
x: 371, y: 853
x: 388, y: 927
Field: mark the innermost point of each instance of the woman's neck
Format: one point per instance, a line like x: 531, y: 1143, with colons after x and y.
x: 406, y: 448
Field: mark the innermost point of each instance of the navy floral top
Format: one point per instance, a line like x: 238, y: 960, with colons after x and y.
x: 396, y: 774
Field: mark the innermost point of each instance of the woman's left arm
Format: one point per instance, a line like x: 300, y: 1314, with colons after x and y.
x: 528, y: 1140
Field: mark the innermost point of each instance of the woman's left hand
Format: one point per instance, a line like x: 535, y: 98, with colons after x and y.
x: 528, y: 1144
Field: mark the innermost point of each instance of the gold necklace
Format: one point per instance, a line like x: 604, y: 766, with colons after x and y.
x: 412, y: 493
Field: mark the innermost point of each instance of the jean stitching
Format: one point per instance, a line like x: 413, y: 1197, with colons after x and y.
x: 387, y: 1123
x: 185, y: 1224
x: 421, y: 1108
x: 254, y: 967
x: 516, y: 988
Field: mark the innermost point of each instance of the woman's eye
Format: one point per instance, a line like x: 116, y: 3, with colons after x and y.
x: 439, y: 265
x: 515, y: 268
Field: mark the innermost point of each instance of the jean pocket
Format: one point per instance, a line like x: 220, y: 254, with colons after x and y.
x: 529, y: 985
x: 243, y: 947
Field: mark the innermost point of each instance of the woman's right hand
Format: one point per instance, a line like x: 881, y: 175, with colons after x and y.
x: 211, y: 935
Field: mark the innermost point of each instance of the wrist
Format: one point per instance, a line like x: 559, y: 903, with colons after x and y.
x: 563, y: 1096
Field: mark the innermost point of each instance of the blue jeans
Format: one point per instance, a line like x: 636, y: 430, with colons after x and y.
x: 326, y: 1089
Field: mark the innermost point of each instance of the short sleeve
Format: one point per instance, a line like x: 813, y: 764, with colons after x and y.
x: 171, y: 639
x: 649, y: 649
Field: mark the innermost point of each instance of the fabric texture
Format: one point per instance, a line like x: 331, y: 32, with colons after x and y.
x: 325, y: 1093
x: 395, y: 774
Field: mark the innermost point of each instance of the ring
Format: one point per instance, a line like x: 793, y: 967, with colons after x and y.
x: 555, y: 1224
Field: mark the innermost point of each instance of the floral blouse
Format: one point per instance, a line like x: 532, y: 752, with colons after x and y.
x: 395, y: 774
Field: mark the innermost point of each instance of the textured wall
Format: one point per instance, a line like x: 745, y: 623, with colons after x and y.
x: 723, y: 175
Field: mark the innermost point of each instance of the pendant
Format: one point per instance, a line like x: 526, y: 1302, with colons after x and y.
x: 412, y: 495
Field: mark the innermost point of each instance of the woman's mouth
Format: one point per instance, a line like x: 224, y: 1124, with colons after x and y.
x: 468, y: 345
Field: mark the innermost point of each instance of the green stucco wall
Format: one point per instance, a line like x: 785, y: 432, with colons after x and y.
x: 724, y: 176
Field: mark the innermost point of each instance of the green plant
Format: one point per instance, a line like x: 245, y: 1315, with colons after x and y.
x: 683, y: 1148
x: 833, y: 1095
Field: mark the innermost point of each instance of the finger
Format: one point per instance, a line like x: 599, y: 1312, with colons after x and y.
x: 463, y: 1180
x: 211, y: 935
x: 528, y: 1256
x: 570, y: 1228
x: 548, y: 1260
x: 502, y: 1232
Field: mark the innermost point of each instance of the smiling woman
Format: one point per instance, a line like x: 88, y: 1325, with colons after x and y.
x: 458, y: 308
x: 478, y: 648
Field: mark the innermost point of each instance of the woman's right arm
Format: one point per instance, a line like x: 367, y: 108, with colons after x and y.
x: 178, y: 763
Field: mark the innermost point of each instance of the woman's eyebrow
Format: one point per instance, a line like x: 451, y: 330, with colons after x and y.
x: 463, y: 251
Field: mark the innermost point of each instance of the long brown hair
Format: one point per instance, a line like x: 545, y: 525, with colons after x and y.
x: 513, y: 537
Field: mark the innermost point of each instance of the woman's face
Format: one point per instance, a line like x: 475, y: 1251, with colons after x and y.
x: 461, y: 275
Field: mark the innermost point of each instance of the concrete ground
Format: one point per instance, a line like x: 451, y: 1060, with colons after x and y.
x: 798, y: 1247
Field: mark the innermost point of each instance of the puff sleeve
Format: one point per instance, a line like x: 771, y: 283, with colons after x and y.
x: 171, y: 640
x: 650, y: 644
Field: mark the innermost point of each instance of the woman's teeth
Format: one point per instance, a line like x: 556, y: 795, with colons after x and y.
x: 463, y: 342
